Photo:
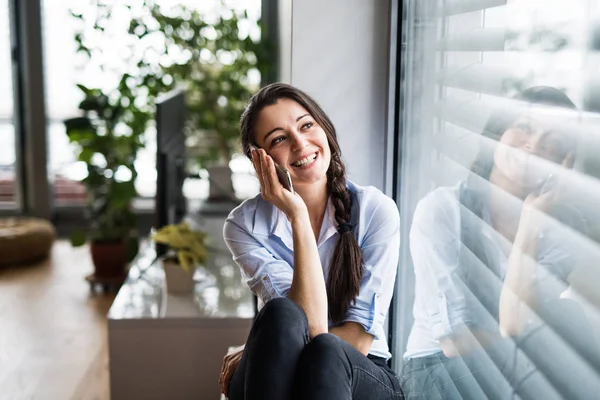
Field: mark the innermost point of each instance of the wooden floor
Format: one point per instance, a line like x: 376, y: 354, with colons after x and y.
x: 53, y: 331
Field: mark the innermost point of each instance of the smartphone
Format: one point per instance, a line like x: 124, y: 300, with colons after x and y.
x: 284, y: 177
x: 547, y: 185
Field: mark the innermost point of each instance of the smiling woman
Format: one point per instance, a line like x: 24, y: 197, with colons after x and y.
x: 297, y: 142
x: 322, y: 262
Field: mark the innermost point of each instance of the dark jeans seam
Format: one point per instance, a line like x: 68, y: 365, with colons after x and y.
x: 385, y: 385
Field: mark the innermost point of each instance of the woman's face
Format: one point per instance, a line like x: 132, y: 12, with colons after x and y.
x: 292, y: 137
x: 529, y: 139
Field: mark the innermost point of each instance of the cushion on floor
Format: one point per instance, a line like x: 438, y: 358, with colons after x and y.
x: 24, y: 240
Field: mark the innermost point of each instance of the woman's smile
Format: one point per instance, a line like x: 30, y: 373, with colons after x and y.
x: 306, y: 162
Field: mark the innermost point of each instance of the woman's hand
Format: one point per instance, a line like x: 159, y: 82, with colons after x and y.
x: 544, y: 199
x: 230, y: 364
x: 541, y: 202
x: 518, y: 296
x: 272, y: 190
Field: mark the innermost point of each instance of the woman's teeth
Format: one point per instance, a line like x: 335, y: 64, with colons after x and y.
x: 305, y: 161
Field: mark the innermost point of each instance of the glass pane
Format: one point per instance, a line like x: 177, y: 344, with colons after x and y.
x: 64, y: 68
x: 500, y: 187
x: 62, y: 73
x: 7, y: 131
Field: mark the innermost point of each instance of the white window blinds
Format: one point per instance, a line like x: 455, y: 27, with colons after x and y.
x: 501, y: 195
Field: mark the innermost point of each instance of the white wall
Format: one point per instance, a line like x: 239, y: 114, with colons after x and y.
x: 340, y: 57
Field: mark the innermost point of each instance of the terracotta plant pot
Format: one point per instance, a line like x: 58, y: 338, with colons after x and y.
x: 110, y: 258
x: 178, y: 280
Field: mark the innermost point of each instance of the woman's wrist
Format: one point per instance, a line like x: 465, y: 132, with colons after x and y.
x: 299, y: 218
x: 526, y: 238
x: 529, y: 229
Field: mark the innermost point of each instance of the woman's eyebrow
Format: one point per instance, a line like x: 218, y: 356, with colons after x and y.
x: 280, y: 128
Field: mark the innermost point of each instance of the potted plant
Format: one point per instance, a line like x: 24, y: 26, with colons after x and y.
x: 107, y: 138
x: 219, y: 64
x: 186, y: 251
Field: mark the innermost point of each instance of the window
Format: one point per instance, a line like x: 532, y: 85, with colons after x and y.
x: 7, y: 130
x: 64, y: 68
x: 500, y: 184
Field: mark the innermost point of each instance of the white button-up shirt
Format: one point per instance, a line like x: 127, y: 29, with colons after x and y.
x: 259, y: 237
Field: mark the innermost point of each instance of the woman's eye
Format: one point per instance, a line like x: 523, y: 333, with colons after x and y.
x: 277, y: 140
x: 307, y: 125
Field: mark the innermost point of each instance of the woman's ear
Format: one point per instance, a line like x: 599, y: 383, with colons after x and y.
x: 569, y: 160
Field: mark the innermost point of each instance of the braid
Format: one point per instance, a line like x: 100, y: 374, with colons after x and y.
x: 340, y: 196
x: 345, y: 272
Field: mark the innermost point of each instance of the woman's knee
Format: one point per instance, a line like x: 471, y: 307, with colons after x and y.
x: 323, y: 365
x: 325, y: 348
x: 282, y: 314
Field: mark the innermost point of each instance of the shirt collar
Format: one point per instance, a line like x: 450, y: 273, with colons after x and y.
x: 270, y: 220
x: 329, y: 226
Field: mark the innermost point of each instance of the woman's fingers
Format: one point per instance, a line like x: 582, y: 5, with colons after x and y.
x: 271, y: 174
x: 230, y: 368
x: 258, y: 160
x: 224, y: 382
x: 265, y: 174
x: 226, y: 378
x: 230, y: 364
x: 222, y: 374
x: 268, y: 176
x: 257, y: 166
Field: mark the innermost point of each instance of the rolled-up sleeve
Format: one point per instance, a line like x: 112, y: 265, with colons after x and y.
x: 380, y: 247
x: 268, y: 277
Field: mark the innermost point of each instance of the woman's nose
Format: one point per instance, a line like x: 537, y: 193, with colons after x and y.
x: 534, y: 142
x: 299, y: 142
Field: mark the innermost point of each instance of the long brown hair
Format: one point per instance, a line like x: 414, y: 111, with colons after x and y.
x: 345, y: 272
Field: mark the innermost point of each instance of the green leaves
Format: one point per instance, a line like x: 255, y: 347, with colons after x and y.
x: 104, y: 153
x: 78, y: 238
x: 121, y: 193
x: 86, y: 155
x: 189, y: 245
x: 222, y: 74
x: 207, y: 56
x: 78, y: 124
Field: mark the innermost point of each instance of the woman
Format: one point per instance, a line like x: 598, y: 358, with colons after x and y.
x: 488, y: 263
x: 322, y: 260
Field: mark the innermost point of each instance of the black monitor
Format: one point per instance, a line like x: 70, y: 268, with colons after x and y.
x: 171, y: 171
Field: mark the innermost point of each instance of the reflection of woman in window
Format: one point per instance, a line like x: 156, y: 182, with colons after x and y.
x: 323, y: 261
x: 485, y: 255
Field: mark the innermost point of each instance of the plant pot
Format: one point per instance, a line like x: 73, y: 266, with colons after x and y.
x: 177, y: 279
x: 221, y: 184
x: 109, y: 258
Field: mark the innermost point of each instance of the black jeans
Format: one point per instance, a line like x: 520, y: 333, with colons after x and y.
x: 280, y: 362
x: 437, y: 377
